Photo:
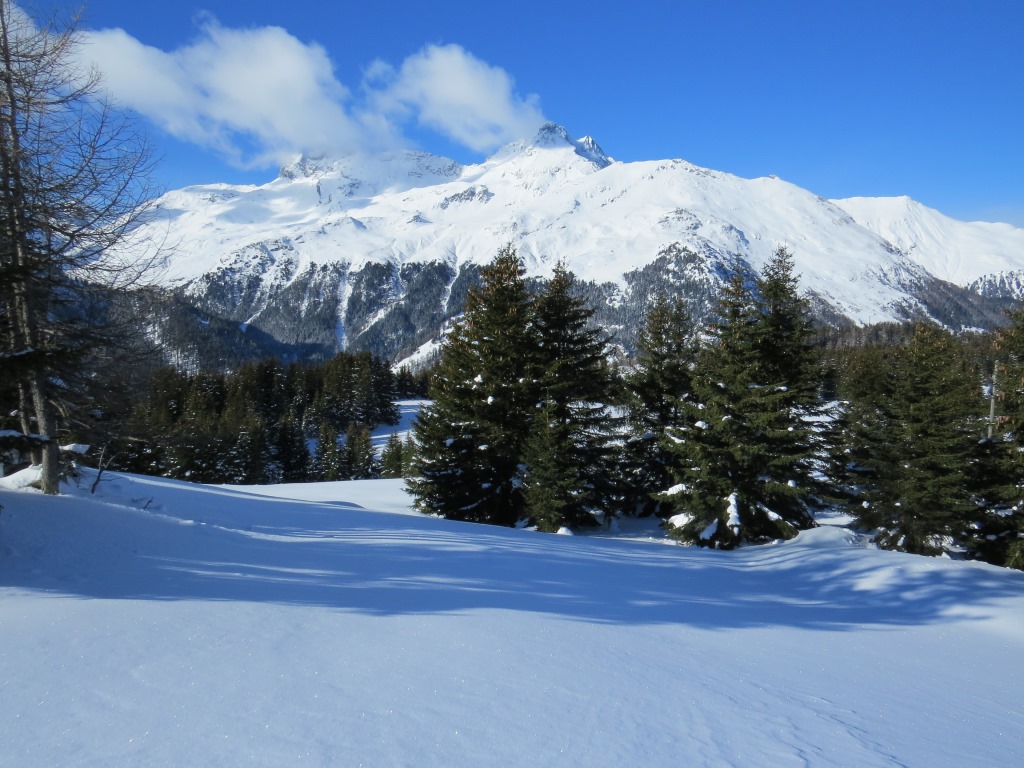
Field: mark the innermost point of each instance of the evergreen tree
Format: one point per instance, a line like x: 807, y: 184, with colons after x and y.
x: 290, y: 450
x: 656, y: 389
x: 359, y: 461
x: 999, y: 534
x: 807, y: 449
x: 382, y: 394
x: 914, y: 441
x: 247, y: 458
x: 551, y: 484
x: 574, y: 383
x: 392, y: 457
x: 471, y: 437
x: 409, y: 453
x: 745, y: 452
x: 330, y: 462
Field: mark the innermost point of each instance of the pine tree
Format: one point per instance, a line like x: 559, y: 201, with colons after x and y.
x: 471, y: 437
x: 358, y: 457
x: 329, y: 462
x: 914, y: 441
x: 290, y: 450
x: 551, y: 484
x: 656, y: 389
x: 744, y: 454
x: 392, y: 457
x: 573, y: 384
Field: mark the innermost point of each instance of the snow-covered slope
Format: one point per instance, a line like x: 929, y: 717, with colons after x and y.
x: 956, y: 251
x: 161, y: 623
x: 356, y: 233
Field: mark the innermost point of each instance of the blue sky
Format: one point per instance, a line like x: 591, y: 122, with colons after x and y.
x: 844, y: 98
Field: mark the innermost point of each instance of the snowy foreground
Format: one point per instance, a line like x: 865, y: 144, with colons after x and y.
x: 164, y: 624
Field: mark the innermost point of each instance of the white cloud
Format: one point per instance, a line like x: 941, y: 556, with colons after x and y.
x: 257, y: 96
x: 254, y: 95
x: 458, y: 95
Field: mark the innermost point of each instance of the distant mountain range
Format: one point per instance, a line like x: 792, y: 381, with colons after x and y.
x: 378, y: 252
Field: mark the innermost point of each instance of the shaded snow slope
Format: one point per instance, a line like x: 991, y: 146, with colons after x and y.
x: 161, y: 623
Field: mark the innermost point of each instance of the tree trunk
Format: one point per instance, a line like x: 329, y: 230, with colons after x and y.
x: 46, y: 421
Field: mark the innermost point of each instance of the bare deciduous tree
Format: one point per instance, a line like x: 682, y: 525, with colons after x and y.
x: 74, y: 183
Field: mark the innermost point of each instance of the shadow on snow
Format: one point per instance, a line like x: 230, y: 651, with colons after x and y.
x: 241, y: 547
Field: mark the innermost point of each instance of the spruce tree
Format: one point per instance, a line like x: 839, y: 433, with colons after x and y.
x: 996, y: 530
x: 290, y: 450
x: 246, y: 460
x: 471, y: 436
x: 358, y: 457
x: 744, y: 454
x: 409, y: 453
x: 551, y: 485
x: 1001, y: 538
x: 392, y: 457
x: 656, y: 388
x: 573, y: 387
x: 329, y: 462
x: 914, y: 441
x: 806, y: 450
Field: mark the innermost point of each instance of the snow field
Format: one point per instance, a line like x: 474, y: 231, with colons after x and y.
x: 162, y: 623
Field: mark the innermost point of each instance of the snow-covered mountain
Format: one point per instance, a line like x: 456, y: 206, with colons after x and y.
x: 377, y: 252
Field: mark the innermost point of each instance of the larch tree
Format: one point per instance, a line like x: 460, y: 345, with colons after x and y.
x: 73, y: 185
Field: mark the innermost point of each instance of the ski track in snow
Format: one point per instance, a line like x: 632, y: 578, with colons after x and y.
x: 163, y: 623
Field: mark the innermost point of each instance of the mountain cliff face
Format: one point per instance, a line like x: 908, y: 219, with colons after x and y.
x: 378, y: 252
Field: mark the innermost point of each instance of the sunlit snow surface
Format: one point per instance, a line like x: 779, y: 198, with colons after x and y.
x: 161, y: 623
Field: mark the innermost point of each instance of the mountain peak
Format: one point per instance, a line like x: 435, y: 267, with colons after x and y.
x: 552, y: 136
x: 591, y: 150
x: 306, y: 166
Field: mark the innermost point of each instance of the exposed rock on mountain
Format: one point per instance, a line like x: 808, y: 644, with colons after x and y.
x: 378, y: 252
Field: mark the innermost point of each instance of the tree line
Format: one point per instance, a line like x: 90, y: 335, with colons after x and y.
x: 735, y: 431
x: 265, y: 422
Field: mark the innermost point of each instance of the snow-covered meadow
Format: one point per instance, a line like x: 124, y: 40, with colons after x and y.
x: 162, y: 623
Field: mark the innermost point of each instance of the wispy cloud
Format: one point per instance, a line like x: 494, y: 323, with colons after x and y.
x: 257, y: 96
